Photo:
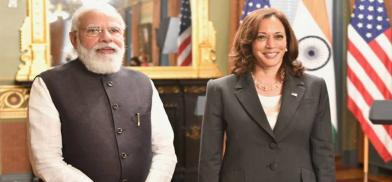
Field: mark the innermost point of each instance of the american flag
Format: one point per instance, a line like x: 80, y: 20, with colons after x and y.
x: 251, y: 5
x: 185, y: 38
x: 369, y: 69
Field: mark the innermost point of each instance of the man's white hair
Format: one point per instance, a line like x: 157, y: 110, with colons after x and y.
x: 104, y: 8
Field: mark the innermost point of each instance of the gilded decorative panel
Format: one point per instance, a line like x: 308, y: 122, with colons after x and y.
x: 13, y: 102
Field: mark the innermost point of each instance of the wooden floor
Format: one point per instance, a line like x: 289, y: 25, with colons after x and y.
x: 356, y: 175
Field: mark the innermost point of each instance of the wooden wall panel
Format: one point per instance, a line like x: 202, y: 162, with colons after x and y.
x: 13, y: 151
x: 155, y: 25
x: 135, y: 28
x: 173, y: 8
x: 236, y: 7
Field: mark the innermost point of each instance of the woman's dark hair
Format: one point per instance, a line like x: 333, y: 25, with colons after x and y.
x: 241, y: 51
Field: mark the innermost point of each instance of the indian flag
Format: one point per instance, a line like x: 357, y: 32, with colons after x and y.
x: 312, y: 27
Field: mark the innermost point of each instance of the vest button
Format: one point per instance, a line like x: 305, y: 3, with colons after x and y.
x: 109, y: 84
x: 119, y: 131
x: 115, y: 106
x: 124, y: 155
x: 273, y: 166
x: 273, y: 146
x: 124, y: 180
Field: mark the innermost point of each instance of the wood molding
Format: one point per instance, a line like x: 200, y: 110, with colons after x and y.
x: 156, y: 21
x: 173, y: 8
x: 236, y: 7
x: 13, y: 102
x: 135, y: 28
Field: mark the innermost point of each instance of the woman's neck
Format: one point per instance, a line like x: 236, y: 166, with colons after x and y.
x: 268, y: 82
x: 266, y: 75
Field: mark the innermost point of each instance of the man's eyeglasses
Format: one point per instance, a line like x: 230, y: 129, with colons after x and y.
x: 93, y: 31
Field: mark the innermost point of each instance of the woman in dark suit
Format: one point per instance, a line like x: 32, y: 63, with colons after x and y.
x: 276, y: 117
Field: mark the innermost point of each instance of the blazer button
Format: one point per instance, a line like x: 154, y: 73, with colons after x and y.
x: 273, y: 146
x: 109, y: 84
x: 124, y: 155
x: 115, y: 106
x: 119, y: 131
x: 273, y: 166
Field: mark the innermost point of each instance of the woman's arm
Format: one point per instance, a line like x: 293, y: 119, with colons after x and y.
x: 211, y: 136
x: 321, y: 139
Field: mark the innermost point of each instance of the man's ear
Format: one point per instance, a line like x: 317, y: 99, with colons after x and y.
x: 73, y: 38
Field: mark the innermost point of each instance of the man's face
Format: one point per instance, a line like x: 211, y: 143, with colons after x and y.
x: 92, y: 22
x: 99, y: 42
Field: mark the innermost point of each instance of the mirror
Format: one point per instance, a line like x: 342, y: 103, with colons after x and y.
x: 48, y: 20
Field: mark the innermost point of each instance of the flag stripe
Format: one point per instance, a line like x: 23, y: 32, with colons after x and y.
x: 184, y: 35
x: 382, y: 56
x: 187, y: 60
x: 385, y: 60
x: 360, y: 86
x: 367, y: 67
x: 385, y: 43
x: 370, y: 87
x: 383, y: 71
x: 388, y: 33
x: 185, y: 38
x: 185, y: 43
x: 184, y: 54
x: 370, y: 55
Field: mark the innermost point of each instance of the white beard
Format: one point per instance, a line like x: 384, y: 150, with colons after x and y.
x: 101, y: 64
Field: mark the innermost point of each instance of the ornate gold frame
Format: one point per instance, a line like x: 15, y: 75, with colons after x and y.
x: 35, y: 49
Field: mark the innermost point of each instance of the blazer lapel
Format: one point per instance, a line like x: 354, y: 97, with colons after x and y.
x: 293, y: 91
x: 247, y: 96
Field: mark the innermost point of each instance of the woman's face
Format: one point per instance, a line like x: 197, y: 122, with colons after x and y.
x: 270, y: 44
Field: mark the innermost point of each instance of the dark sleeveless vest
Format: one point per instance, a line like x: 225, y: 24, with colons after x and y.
x: 105, y: 121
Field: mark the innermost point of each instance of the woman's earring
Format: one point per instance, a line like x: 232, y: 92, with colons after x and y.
x: 285, y: 50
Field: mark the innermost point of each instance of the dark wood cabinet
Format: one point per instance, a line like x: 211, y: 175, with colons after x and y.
x: 184, y: 104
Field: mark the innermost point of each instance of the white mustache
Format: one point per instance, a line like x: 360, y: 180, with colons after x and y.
x: 105, y: 46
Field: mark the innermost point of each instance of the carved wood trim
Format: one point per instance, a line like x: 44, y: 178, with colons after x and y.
x: 13, y: 102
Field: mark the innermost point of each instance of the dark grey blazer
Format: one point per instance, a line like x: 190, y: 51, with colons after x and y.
x: 298, y: 149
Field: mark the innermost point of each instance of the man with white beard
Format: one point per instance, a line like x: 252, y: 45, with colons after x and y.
x: 92, y: 120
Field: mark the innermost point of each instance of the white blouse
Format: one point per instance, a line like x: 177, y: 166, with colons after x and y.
x: 271, y: 107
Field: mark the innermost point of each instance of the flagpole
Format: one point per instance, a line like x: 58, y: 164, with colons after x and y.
x: 365, y: 158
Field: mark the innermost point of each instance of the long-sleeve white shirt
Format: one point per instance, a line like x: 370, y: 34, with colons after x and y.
x: 45, y: 143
